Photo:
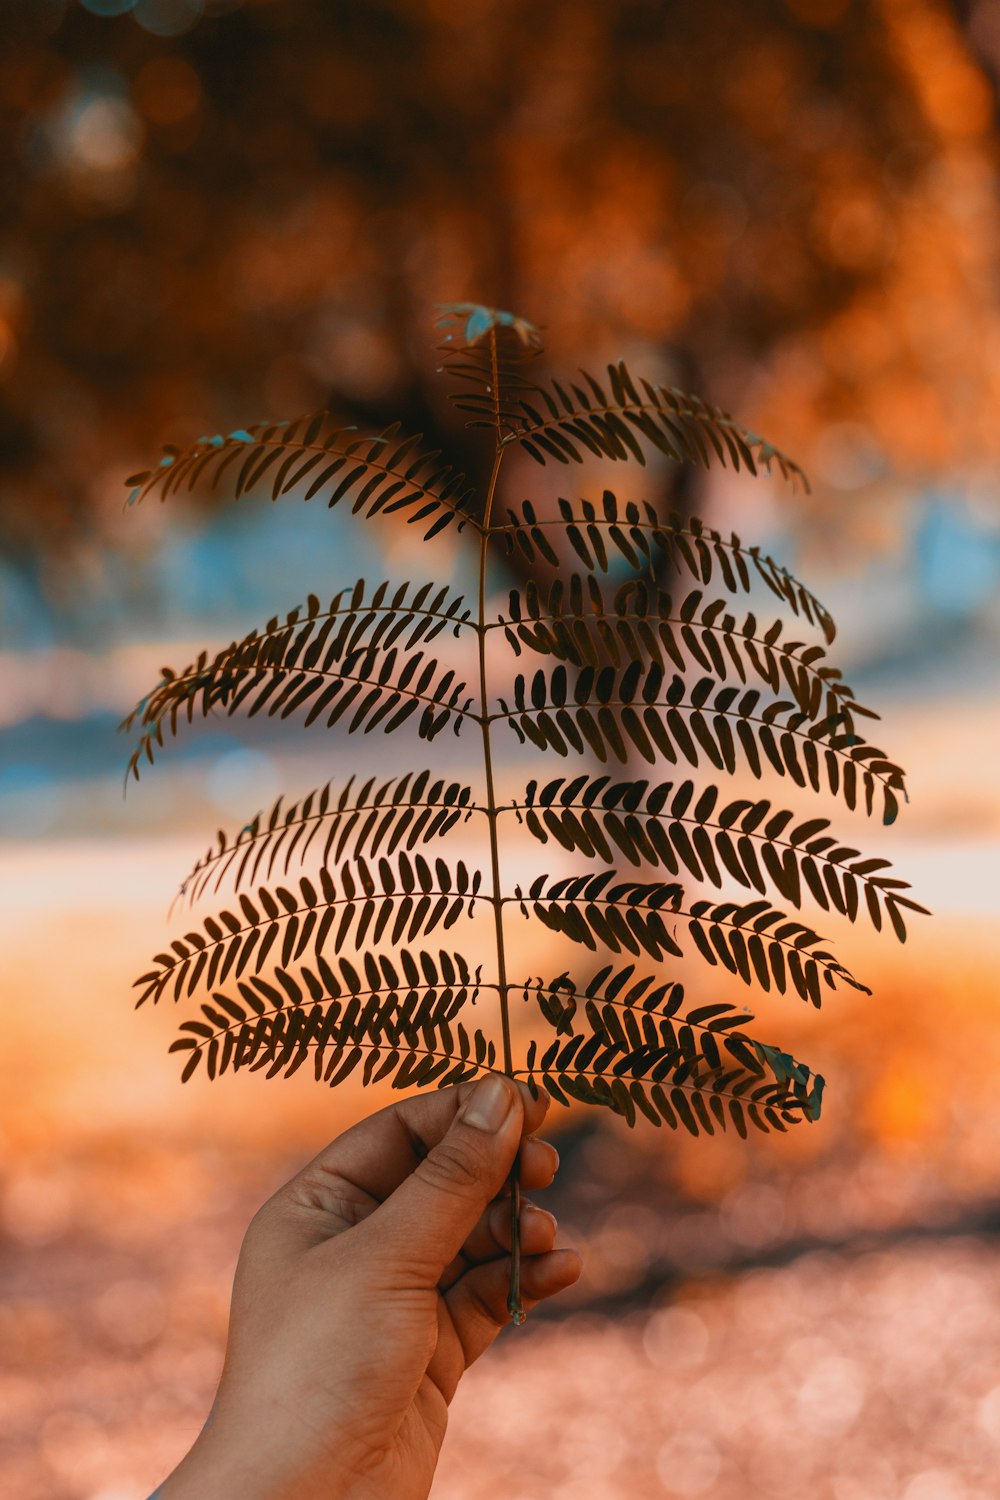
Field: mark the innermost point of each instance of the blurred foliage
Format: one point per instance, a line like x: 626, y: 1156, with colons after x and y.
x: 215, y: 208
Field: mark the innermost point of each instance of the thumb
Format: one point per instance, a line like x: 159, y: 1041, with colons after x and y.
x: 432, y: 1213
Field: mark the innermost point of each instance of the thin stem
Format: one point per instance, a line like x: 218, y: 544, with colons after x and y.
x: 491, y: 798
x: 514, y: 1305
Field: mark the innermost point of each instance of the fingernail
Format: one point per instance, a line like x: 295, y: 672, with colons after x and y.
x: 489, y: 1104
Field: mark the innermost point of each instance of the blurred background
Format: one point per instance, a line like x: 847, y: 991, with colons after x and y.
x: 222, y: 211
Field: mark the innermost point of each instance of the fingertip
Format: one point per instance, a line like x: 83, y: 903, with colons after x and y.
x: 538, y: 1227
x: 549, y: 1152
x: 568, y: 1263
x: 528, y: 1099
x: 534, y: 1107
x: 539, y: 1163
x: 551, y: 1273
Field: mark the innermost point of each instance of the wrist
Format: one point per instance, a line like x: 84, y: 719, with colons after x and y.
x: 223, y: 1477
x: 218, y: 1468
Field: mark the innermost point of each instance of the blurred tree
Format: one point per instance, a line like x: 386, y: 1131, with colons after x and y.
x: 215, y: 208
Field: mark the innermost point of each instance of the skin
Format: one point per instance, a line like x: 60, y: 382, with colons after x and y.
x: 366, y: 1287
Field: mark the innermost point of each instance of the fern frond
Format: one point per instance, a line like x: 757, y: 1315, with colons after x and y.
x: 381, y: 475
x: 558, y: 999
x: 399, y: 901
x: 304, y: 968
x: 746, y: 941
x: 486, y: 352
x: 681, y: 829
x: 681, y: 1098
x: 587, y: 909
x: 633, y: 1013
x: 651, y: 1062
x: 573, y: 622
x: 355, y: 657
x: 610, y: 714
x: 400, y: 1028
x: 639, y: 535
x: 614, y: 421
x: 651, y: 1016
x: 399, y: 813
x: 633, y: 915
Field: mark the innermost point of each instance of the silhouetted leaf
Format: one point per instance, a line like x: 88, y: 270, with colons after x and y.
x: 370, y: 818
x: 385, y: 474
x: 637, y: 533
x: 613, y: 713
x: 657, y: 825
x: 626, y: 1041
x: 352, y: 662
x: 399, y: 900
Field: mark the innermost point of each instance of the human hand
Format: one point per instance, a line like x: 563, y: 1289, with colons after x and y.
x: 365, y: 1288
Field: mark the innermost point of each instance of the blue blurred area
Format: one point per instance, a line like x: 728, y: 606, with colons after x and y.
x: 204, y: 582
x: 215, y: 574
x: 957, y: 557
x: 920, y: 621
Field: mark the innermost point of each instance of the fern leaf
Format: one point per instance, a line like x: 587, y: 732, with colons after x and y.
x: 645, y: 1082
x: 397, y: 1026
x: 572, y: 621
x: 610, y: 714
x: 400, y: 813
x: 753, y: 941
x: 486, y: 351
x: 589, y: 909
x: 638, y: 534
x: 636, y: 1055
x: 381, y: 475
x: 399, y: 900
x: 634, y: 1011
x: 684, y: 831
x: 353, y: 660
x: 758, y: 943
x: 575, y: 422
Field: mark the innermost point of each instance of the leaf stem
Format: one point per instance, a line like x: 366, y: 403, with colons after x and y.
x: 514, y: 1305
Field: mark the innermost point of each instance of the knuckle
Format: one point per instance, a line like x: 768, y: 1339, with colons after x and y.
x: 452, y: 1168
x: 264, y: 1218
x: 321, y: 1191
